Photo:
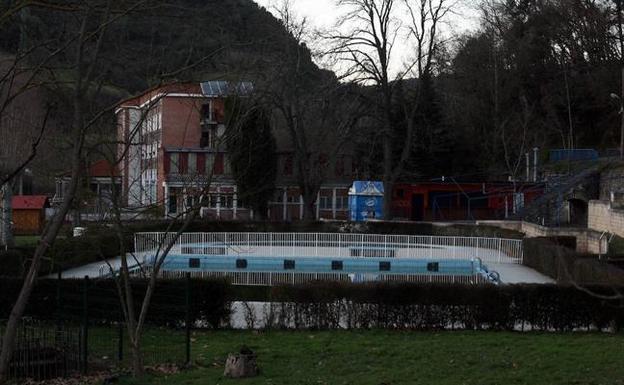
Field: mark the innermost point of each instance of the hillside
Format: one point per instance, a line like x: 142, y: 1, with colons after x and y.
x: 188, y: 40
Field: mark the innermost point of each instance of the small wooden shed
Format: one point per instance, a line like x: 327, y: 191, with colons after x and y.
x: 29, y: 213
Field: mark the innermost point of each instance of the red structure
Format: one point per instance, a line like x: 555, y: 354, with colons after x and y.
x: 29, y: 213
x: 436, y: 201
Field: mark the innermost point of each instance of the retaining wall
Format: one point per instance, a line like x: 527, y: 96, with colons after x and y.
x: 587, y: 240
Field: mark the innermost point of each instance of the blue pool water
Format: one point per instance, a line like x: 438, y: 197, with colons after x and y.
x: 346, y: 265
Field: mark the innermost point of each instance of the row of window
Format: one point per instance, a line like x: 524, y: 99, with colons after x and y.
x: 325, y: 202
x: 223, y: 201
x: 196, y: 163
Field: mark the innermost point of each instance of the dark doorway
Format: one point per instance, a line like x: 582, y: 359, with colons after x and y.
x: 578, y: 212
x: 418, y: 207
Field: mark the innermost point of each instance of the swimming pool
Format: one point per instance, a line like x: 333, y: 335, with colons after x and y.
x: 275, y: 258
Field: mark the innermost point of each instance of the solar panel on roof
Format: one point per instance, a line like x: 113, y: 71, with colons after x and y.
x: 225, y: 88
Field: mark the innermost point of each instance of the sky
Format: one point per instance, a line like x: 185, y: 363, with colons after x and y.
x: 322, y: 14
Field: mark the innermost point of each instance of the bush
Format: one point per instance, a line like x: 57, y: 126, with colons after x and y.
x: 335, y: 305
x: 437, y: 306
x: 52, y: 300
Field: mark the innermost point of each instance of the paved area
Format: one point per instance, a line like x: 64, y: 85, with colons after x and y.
x: 510, y: 273
x: 93, y: 270
x: 513, y: 273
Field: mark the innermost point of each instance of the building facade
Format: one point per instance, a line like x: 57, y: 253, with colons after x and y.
x: 171, y: 143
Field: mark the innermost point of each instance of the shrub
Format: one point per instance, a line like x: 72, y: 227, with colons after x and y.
x: 52, y: 300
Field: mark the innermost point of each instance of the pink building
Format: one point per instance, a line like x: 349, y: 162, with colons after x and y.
x: 173, y: 148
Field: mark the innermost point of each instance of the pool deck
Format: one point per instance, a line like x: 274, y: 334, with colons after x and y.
x: 510, y: 273
x: 513, y: 273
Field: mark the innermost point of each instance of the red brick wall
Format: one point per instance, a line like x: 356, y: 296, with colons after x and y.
x: 181, y: 121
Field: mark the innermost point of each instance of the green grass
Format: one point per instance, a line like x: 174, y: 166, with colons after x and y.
x: 26, y: 240
x: 386, y: 357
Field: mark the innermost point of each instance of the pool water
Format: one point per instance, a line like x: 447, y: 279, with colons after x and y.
x: 347, y: 265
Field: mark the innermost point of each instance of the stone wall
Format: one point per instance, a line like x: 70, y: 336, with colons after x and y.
x: 587, y: 240
x: 603, y: 217
x: 611, y: 181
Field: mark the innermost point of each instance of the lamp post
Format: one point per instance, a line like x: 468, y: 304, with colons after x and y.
x: 620, y: 112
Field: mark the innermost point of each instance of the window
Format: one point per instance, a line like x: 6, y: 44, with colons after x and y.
x: 174, y: 163
x: 227, y: 201
x: 214, y: 199
x: 209, y: 168
x: 433, y: 266
x: 192, y: 164
x: 173, y: 204
x: 384, y: 266
x: 206, y: 112
x: 289, y: 264
x: 204, y: 141
x: 288, y: 164
x: 336, y: 265
x: 241, y: 263
x: 226, y: 165
x: 194, y: 263
x: 325, y: 202
x: 342, y: 203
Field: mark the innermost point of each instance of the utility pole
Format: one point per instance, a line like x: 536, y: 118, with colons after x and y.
x: 6, y: 233
x: 621, y: 37
x: 535, y: 150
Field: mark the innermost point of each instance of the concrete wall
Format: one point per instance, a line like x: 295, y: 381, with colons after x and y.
x: 603, y: 217
x: 587, y: 240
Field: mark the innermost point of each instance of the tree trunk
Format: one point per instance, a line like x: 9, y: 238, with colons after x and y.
x: 309, y: 209
x: 6, y: 229
x: 387, y: 200
x: 137, y: 357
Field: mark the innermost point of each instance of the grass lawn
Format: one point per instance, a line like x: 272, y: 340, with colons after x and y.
x: 26, y: 240
x: 387, y: 357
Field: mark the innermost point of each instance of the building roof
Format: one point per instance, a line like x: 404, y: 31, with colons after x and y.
x: 219, y: 88
x: 29, y: 202
x: 209, y: 89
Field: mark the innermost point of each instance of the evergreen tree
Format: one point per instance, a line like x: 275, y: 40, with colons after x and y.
x: 252, y: 153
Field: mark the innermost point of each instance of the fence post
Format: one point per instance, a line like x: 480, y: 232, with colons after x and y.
x: 59, y: 312
x: 85, y: 324
x: 188, y: 318
x: 121, y: 337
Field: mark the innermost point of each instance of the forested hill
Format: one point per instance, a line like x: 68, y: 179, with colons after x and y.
x: 145, y: 42
x: 181, y: 40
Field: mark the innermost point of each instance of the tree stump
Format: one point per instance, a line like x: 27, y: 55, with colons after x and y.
x: 241, y: 365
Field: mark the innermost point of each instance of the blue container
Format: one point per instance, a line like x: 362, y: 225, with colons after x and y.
x: 366, y: 201
x: 573, y: 155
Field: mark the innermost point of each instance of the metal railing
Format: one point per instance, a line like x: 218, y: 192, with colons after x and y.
x: 331, y: 245
x: 43, y: 352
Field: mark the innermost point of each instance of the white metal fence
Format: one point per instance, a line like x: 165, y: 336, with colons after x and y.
x: 332, y: 245
x: 277, y: 278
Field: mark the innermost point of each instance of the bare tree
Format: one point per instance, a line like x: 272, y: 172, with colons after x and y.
x: 94, y: 20
x: 317, y: 113
x: 364, y: 40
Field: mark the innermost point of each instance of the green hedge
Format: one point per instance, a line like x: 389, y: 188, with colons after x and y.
x: 333, y: 305
x: 436, y: 306
x: 63, y: 300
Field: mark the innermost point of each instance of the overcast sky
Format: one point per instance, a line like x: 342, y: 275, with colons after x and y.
x: 323, y: 14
